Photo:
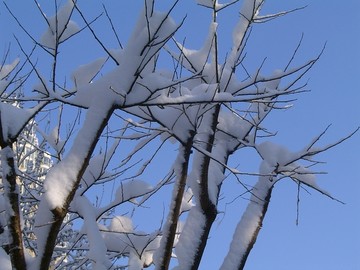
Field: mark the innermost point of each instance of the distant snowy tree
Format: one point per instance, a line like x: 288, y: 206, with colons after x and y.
x: 113, y: 125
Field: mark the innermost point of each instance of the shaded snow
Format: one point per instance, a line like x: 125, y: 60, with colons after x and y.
x: 4, y: 260
x: 60, y: 26
x: 13, y: 119
x: 250, y: 219
x: 85, y: 74
x: 189, y: 239
x: 97, y: 249
x: 132, y: 189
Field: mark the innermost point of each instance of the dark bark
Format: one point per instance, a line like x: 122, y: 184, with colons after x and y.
x: 16, y: 247
x: 257, y: 230
x: 175, y: 212
x: 208, y: 208
x: 60, y: 213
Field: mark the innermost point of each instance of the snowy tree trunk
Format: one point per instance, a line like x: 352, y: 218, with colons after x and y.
x: 78, y: 160
x: 208, y: 208
x: 169, y: 232
x: 15, y: 247
x: 250, y: 224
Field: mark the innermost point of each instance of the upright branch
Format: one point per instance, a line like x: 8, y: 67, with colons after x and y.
x: 16, y: 246
x: 165, y: 251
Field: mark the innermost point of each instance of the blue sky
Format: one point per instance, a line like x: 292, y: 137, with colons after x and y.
x: 327, y: 236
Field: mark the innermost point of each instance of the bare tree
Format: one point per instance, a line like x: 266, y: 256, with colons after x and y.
x: 108, y: 126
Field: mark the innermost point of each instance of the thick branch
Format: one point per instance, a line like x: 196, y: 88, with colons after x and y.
x: 59, y: 212
x: 16, y: 248
x: 167, y: 241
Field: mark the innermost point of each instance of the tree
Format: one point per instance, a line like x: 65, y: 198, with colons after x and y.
x: 109, y: 124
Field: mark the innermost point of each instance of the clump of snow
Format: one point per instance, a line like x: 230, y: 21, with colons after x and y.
x: 198, y: 58
x: 250, y: 8
x: 85, y: 74
x: 187, y: 202
x: 186, y: 247
x: 60, y: 26
x: 121, y: 224
x: 132, y: 189
x: 97, y: 250
x: 274, y: 154
x: 5, y: 261
x: 61, y: 178
x: 7, y: 69
x: 211, y: 4
x: 206, y: 3
x: 13, y: 119
x: 41, y: 87
x: 250, y: 220
x: 53, y: 139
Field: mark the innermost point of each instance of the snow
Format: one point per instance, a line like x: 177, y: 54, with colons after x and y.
x: 53, y: 139
x: 43, y: 222
x: 250, y: 219
x: 120, y: 81
x: 13, y: 120
x: 198, y: 58
x: 4, y: 260
x: 61, y: 178
x: 60, y: 26
x: 274, y: 154
x: 206, y: 3
x: 97, y: 249
x: 84, y: 74
x: 185, y: 249
x: 132, y: 189
x: 139, y: 246
x: 121, y: 224
x: 248, y: 10
x: 5, y: 71
x: 210, y: 4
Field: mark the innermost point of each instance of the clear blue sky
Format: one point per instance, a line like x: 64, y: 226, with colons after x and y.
x: 328, y: 235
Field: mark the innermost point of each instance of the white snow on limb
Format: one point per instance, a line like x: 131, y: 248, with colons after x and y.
x: 121, y: 224
x: 250, y: 8
x: 283, y: 162
x: 234, y: 125
x: 248, y: 11
x: 5, y: 261
x: 97, y: 249
x: 53, y: 139
x: 84, y: 74
x: 185, y: 249
x: 41, y: 87
x: 13, y: 119
x: 206, y: 3
x: 139, y: 246
x: 187, y: 202
x: 43, y: 221
x: 250, y: 220
x: 211, y: 4
x: 196, y: 59
x: 6, y: 153
x: 275, y: 154
x: 7, y: 69
x: 60, y: 26
x: 132, y: 189
x: 141, y: 48
x: 94, y: 171
x: 274, y: 84
x: 61, y: 178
